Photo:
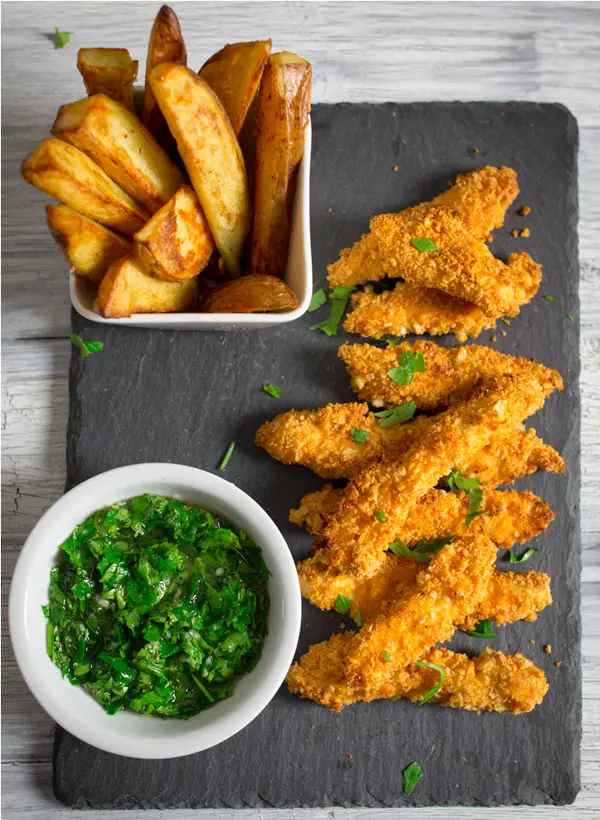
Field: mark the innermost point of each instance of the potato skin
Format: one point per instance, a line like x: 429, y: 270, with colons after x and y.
x: 67, y: 174
x: 89, y: 247
x: 283, y: 111
x: 256, y: 293
x: 127, y: 289
x: 166, y: 45
x: 109, y: 71
x: 124, y: 148
x: 209, y: 148
x: 176, y: 243
x: 234, y: 74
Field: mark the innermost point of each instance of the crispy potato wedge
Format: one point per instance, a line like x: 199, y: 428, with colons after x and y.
x: 210, y: 151
x: 67, y: 174
x: 283, y: 111
x: 90, y: 248
x: 109, y: 71
x: 124, y: 148
x: 255, y: 293
x: 127, y: 289
x: 166, y: 45
x: 234, y: 74
x: 176, y: 244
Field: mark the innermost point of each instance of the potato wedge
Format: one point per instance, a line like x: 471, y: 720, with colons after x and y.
x: 67, y: 174
x: 127, y: 289
x: 109, y: 71
x: 90, y: 248
x: 210, y: 151
x: 124, y: 148
x: 166, y: 45
x: 234, y: 74
x: 283, y: 111
x: 255, y: 293
x: 176, y: 244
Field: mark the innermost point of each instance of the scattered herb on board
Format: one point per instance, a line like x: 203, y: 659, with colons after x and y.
x: 227, y: 456
x: 482, y: 630
x: 157, y: 606
x: 548, y: 298
x: 410, y: 777
x: 360, y: 436
x: 424, y: 244
x: 409, y: 364
x: 272, y: 390
x: 85, y: 348
x: 524, y: 557
x: 457, y: 482
x: 357, y: 618
x: 423, y: 551
x: 570, y: 318
x: 342, y: 604
x: 391, y: 342
x: 434, y: 690
x: 61, y: 38
x: 386, y: 657
x: 380, y: 516
x: 339, y: 300
x: 396, y: 415
x: 318, y: 299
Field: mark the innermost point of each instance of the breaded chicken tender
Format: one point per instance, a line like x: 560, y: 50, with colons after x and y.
x: 451, y: 373
x: 359, y: 539
x: 414, y: 309
x: 490, y: 682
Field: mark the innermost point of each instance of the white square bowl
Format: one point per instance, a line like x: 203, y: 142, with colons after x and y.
x: 298, y: 275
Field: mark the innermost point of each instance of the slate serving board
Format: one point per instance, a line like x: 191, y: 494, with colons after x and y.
x: 180, y: 397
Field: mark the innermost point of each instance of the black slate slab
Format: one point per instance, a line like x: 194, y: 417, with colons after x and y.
x: 180, y: 397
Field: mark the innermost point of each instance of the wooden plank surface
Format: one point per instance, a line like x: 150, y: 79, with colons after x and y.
x: 360, y: 51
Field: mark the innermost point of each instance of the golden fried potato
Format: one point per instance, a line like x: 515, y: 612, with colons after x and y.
x: 176, y: 243
x: 124, y: 148
x: 166, y: 45
x: 127, y: 289
x: 283, y: 111
x: 67, y: 174
x: 234, y: 74
x: 256, y: 293
x: 90, y: 248
x: 210, y: 151
x: 109, y: 71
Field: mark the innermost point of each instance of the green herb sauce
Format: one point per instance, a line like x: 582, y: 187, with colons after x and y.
x: 157, y: 606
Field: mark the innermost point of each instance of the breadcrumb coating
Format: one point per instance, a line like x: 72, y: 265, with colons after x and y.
x: 451, y: 373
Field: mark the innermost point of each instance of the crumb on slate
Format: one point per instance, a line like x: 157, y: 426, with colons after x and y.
x: 476, y: 150
x: 349, y: 757
x: 506, y: 322
x: 396, y: 167
x: 515, y: 233
x: 330, y: 210
x: 525, y: 232
x: 342, y: 625
x: 503, y: 332
x: 558, y: 664
x: 525, y: 210
x: 548, y: 649
x: 531, y: 640
x: 494, y: 338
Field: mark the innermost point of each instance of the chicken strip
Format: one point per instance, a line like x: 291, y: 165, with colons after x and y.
x: 413, y: 309
x: 358, y: 537
x: 492, y: 681
x: 451, y: 373
x: 322, y: 441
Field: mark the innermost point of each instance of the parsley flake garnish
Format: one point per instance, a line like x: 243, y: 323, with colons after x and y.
x: 339, y: 300
x: 424, y: 244
x: 432, y: 692
x: 86, y: 348
x: 526, y: 555
x: 410, y: 777
x: 409, y: 364
x: 380, y: 516
x: 360, y: 436
x: 342, y: 604
x: 227, y: 456
x: 548, y: 298
x: 570, y: 318
x: 457, y: 482
x: 396, y: 415
x: 386, y: 657
x: 482, y: 630
x: 357, y: 618
x: 423, y: 551
x: 61, y: 38
x: 391, y: 342
x: 272, y: 390
x: 318, y: 299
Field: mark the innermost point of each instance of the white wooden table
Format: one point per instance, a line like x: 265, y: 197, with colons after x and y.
x: 360, y: 51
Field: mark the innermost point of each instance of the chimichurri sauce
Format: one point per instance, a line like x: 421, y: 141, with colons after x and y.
x: 157, y: 606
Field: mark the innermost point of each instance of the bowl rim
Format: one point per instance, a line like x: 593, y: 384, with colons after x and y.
x: 39, y: 547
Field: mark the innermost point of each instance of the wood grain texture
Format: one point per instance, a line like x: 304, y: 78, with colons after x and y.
x: 360, y: 51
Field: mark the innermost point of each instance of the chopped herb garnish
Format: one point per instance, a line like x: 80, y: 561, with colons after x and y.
x: 359, y: 436
x: 425, y: 245
x: 423, y: 551
x: 227, y: 456
x: 570, y: 318
x: 86, y: 348
x: 339, y: 300
x: 61, y: 38
x: 482, y: 630
x: 357, y: 618
x: 391, y: 342
x: 342, y: 604
x: 409, y: 364
x: 526, y: 555
x: 457, y: 482
x: 548, y: 298
x: 318, y: 299
x: 432, y: 692
x: 380, y: 516
x: 410, y: 777
x: 386, y: 656
x: 404, y: 412
x: 272, y: 390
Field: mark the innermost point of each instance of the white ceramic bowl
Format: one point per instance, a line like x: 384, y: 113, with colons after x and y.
x: 128, y: 733
x: 298, y: 275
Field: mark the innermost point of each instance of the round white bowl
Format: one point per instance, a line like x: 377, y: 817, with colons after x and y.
x: 128, y: 733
